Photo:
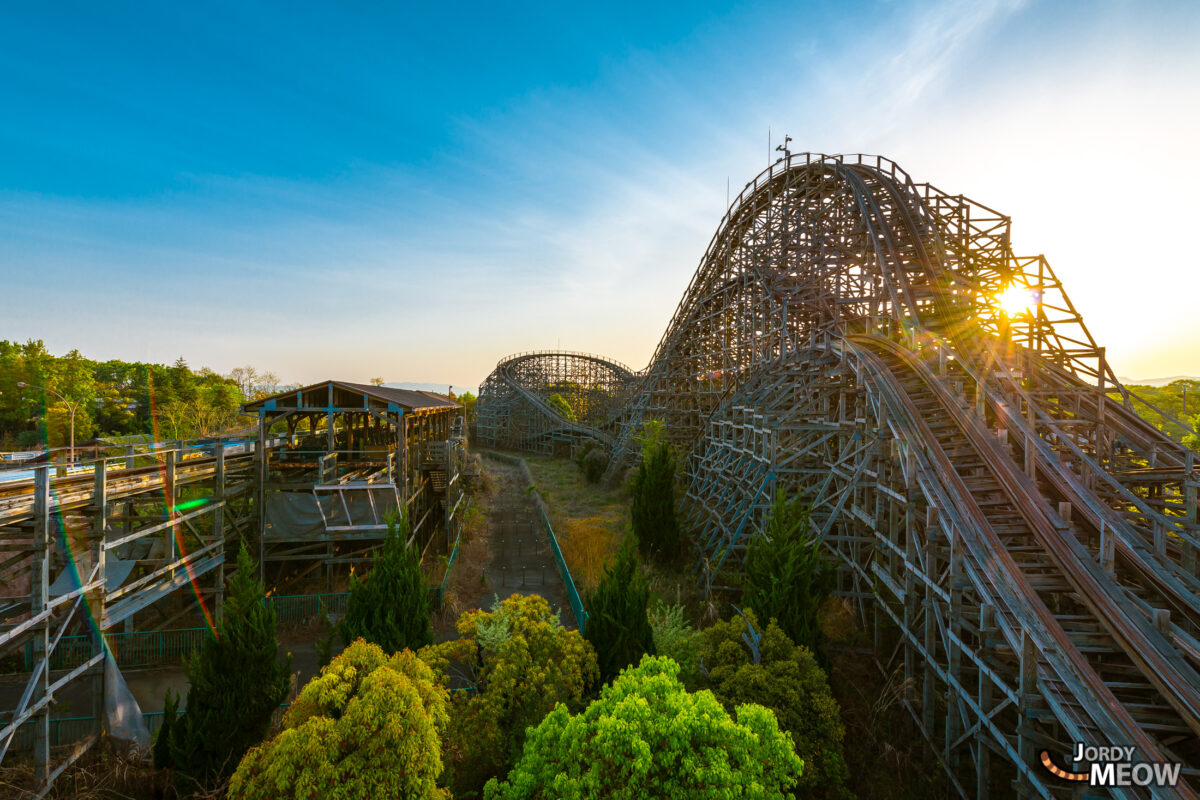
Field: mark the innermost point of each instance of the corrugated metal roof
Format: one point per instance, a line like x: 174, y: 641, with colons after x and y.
x: 408, y: 399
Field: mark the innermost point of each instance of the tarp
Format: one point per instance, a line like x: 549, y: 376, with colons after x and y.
x: 122, y: 714
x: 295, y: 515
x: 115, y: 572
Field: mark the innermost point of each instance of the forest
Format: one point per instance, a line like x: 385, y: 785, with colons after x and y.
x: 115, y: 398
x: 1180, y: 399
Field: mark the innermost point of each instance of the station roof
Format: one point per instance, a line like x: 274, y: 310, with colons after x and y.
x: 341, y: 396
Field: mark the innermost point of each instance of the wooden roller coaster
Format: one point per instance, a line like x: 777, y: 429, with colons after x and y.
x: 1021, y: 544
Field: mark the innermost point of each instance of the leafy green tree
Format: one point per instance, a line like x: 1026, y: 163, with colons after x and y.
x: 617, y: 625
x: 647, y: 736
x: 747, y: 664
x: 520, y: 662
x: 654, y: 520
x: 391, y: 606
x: 468, y: 401
x: 236, y: 683
x: 560, y: 404
x: 368, y: 726
x: 787, y: 575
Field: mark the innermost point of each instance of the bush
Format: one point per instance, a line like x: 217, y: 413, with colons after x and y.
x: 391, y: 606
x: 654, y: 521
x: 521, y: 662
x: 594, y: 464
x: 646, y: 736
x: 748, y: 664
x: 676, y: 639
x: 236, y: 683
x: 368, y: 726
x: 787, y: 575
x: 617, y: 624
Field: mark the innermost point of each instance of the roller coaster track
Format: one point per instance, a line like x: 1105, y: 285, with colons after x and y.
x: 519, y: 412
x: 1022, y: 546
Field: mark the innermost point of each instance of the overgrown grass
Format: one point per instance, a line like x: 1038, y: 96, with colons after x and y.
x: 589, y: 520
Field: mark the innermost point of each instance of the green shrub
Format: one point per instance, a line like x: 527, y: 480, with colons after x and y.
x: 236, y: 682
x: 675, y: 638
x: 368, y: 726
x: 581, y: 452
x: 653, y: 511
x: 786, y: 679
x: 646, y: 736
x: 617, y: 625
x: 787, y: 575
x: 520, y: 662
x: 594, y: 464
x: 391, y: 606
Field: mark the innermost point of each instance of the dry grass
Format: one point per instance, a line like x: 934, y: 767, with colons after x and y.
x: 587, y: 545
x: 106, y: 771
x: 589, y: 520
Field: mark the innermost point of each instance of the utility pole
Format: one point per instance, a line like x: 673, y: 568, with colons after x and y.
x: 71, y: 406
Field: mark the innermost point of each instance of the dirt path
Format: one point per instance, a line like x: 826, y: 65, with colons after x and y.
x: 509, y: 553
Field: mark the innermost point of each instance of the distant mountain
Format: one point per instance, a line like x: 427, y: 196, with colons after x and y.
x: 440, y: 388
x: 1156, y: 381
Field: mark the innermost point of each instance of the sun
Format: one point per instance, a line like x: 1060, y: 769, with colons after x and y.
x: 1017, y: 299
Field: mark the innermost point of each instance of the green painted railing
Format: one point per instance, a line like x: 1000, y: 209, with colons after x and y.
x: 573, y: 598
x: 131, y: 649
x: 293, y: 609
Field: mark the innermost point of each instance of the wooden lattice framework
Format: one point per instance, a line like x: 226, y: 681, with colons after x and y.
x: 1022, y: 545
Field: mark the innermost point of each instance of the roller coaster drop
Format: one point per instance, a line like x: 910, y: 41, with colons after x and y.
x: 1022, y: 545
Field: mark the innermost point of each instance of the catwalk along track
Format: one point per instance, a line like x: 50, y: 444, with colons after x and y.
x: 1021, y: 544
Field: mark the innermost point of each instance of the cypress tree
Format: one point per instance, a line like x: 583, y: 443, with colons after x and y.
x: 236, y: 683
x: 391, y: 606
x: 617, y: 624
x: 787, y: 575
x: 654, y: 521
x: 162, y: 742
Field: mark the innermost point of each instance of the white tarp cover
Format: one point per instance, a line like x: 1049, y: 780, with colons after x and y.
x: 122, y: 714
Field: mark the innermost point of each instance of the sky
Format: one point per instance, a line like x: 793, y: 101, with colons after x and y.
x: 328, y: 191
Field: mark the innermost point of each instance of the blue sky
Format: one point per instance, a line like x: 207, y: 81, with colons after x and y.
x: 414, y: 192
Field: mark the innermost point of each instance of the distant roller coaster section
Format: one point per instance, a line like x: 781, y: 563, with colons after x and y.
x: 545, y: 402
x: 1019, y: 543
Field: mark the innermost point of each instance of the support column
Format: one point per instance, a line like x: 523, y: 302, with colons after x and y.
x: 1027, y: 699
x: 100, y: 508
x: 39, y: 590
x: 219, y: 529
x: 983, y: 754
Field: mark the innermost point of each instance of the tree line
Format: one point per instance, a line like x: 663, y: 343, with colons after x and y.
x: 116, y: 398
